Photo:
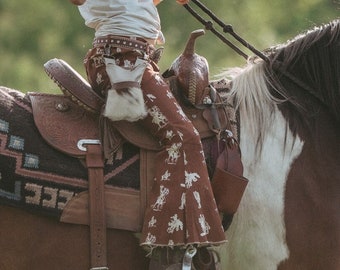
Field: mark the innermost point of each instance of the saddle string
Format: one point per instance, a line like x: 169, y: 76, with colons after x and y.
x: 227, y: 28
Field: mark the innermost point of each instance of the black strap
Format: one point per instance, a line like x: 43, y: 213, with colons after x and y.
x: 227, y: 28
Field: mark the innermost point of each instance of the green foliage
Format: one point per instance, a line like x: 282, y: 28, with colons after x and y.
x: 32, y: 32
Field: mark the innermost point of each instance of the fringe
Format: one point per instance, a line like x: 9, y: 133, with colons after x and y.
x: 110, y: 138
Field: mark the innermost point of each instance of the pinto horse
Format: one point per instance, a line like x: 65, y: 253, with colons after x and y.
x: 289, y: 217
x: 289, y: 128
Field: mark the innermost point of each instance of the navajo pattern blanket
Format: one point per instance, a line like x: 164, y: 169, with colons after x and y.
x: 36, y: 177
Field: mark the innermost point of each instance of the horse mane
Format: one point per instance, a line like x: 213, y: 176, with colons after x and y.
x: 311, y: 61
x: 251, y: 96
x: 312, y: 57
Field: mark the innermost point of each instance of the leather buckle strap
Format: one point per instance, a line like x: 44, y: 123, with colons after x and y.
x: 122, y: 42
x: 95, y: 166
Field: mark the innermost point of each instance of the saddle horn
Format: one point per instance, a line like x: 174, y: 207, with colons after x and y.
x: 190, y: 46
x: 192, y: 70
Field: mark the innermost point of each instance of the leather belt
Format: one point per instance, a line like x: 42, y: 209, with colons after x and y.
x: 123, y: 42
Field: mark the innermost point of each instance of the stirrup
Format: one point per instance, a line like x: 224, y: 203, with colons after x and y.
x: 188, y: 256
x: 206, y: 259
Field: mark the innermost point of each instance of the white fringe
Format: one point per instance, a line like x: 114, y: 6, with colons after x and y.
x: 127, y: 105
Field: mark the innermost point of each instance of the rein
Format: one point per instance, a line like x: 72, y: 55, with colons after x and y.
x: 227, y: 28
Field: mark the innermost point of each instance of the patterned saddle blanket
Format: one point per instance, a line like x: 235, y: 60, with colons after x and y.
x: 43, y: 180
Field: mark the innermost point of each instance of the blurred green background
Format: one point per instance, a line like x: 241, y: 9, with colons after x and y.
x: 32, y: 32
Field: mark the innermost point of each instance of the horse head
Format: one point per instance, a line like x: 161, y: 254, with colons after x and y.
x: 192, y: 71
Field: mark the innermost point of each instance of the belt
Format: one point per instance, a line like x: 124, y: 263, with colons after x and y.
x: 123, y: 42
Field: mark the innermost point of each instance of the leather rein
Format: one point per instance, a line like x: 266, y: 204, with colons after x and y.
x: 227, y: 28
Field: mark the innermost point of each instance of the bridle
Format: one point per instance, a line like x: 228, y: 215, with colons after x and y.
x: 227, y: 28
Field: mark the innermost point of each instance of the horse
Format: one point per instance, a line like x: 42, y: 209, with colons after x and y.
x: 289, y: 108
x: 288, y: 134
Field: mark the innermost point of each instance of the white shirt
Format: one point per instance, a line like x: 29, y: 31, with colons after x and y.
x: 135, y: 18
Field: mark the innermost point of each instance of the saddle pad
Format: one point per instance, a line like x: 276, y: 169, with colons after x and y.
x: 42, y: 180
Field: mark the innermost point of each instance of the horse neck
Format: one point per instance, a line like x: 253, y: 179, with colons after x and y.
x: 309, y: 68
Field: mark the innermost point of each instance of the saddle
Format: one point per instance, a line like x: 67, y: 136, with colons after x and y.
x: 70, y: 124
x: 77, y: 90
x: 68, y: 121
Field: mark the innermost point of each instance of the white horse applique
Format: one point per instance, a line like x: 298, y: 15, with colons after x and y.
x: 158, y: 117
x: 150, y: 239
x: 189, y: 179
x: 166, y: 176
x: 198, y: 199
x: 152, y: 222
x: 181, y: 113
x: 183, y: 201
x: 204, y: 225
x: 158, y: 205
x: 173, y: 153
x: 175, y: 224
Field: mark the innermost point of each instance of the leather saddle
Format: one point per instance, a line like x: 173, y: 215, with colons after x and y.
x: 79, y: 108
x: 68, y: 120
x: 70, y: 123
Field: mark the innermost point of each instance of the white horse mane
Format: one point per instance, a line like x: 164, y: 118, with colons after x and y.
x: 250, y: 94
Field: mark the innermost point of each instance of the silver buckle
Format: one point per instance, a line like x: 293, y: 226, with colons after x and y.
x: 81, y: 146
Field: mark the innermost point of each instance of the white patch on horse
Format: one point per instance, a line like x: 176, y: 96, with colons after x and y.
x: 258, y: 230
